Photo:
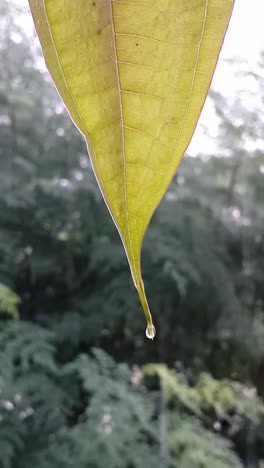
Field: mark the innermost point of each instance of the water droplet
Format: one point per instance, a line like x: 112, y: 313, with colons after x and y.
x: 150, y: 332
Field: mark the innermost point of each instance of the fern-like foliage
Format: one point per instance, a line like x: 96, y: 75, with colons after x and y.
x: 33, y: 401
x: 191, y: 445
x: 202, y: 418
x: 117, y: 420
x: 9, y: 302
x: 92, y: 412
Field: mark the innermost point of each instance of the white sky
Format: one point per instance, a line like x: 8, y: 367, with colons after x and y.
x: 244, y: 40
x: 245, y: 36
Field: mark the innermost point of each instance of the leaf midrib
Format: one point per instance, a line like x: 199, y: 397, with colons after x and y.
x: 131, y: 256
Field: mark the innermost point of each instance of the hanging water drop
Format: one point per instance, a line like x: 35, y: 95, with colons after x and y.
x: 150, y: 332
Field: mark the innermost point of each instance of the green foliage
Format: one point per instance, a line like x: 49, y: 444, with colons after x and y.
x: 9, y: 302
x: 33, y: 402
x: 111, y: 409
x: 198, y: 413
x: 192, y: 445
x: 36, y: 402
x: 117, y: 420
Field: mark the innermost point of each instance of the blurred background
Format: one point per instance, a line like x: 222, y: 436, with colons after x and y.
x: 80, y: 385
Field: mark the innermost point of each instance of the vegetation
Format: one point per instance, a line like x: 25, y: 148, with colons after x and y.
x: 78, y: 387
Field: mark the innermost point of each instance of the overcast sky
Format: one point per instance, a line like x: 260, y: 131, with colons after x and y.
x: 244, y: 40
x: 245, y: 37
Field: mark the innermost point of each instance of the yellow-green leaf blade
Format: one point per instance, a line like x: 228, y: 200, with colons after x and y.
x: 134, y: 76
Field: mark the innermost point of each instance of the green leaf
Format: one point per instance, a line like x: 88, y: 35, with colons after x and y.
x: 134, y: 76
x: 9, y: 302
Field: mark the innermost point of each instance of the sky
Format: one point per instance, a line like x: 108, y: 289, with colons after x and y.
x: 244, y: 40
x: 245, y: 36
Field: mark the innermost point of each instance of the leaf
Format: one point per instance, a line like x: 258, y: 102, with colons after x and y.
x: 134, y: 76
x: 9, y: 302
